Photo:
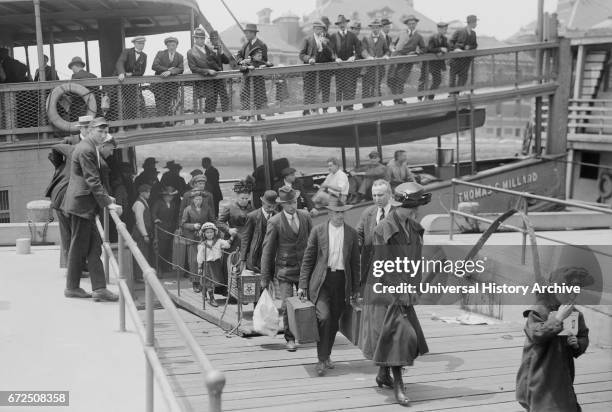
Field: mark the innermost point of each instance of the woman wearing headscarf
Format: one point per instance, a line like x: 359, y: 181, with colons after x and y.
x: 193, y: 217
x: 391, y: 334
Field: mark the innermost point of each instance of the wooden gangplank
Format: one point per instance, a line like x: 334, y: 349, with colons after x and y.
x: 469, y: 368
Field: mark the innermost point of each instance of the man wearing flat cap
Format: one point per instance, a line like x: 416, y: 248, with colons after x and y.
x: 132, y: 62
x: 316, y: 49
x: 207, y: 62
x: 373, y: 47
x: 251, y: 243
x: 461, y: 40
x: 85, y: 197
x: 438, y: 45
x: 410, y: 43
x: 347, y: 48
x: 283, y: 249
x: 167, y: 63
x: 329, y: 276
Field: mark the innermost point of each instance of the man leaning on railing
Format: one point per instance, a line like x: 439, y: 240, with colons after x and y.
x: 84, y: 198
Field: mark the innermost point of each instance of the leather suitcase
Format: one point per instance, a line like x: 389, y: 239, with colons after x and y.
x: 302, y: 320
x: 350, y: 323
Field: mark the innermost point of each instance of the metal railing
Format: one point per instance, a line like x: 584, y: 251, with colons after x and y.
x: 152, y: 101
x: 523, y: 196
x: 590, y: 116
x: 214, y: 380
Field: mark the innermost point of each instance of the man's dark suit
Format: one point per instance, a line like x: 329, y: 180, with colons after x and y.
x: 166, y: 93
x: 309, y: 50
x: 210, y: 89
x: 365, y: 231
x: 459, y: 67
x: 329, y: 290
x: 344, y: 47
x: 251, y: 243
x: 407, y: 44
x: 434, y: 45
x: 50, y: 74
x: 133, y: 102
x: 282, y: 255
x: 212, y: 185
x: 377, y: 48
x: 245, y: 51
x: 304, y: 202
x: 85, y: 195
x: 259, y: 98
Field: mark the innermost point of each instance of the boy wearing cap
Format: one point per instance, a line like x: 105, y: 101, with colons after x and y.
x: 347, y: 48
x: 208, y: 62
x: 462, y: 39
x: 409, y: 43
x: 329, y: 276
x: 167, y: 63
x: 437, y: 44
x: 373, y: 47
x: 316, y: 49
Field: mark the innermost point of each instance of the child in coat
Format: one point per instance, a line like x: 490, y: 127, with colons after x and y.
x: 210, y: 254
x: 545, y: 380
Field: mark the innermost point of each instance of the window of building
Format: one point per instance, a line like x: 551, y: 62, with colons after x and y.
x: 498, y: 132
x: 517, y: 132
x: 589, y: 172
x: 5, y: 215
x: 498, y: 109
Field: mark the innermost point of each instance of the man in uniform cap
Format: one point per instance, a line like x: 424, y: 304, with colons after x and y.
x: 329, y: 276
x: 409, y: 43
x: 283, y: 249
x: 208, y: 62
x: 131, y: 62
x: 254, y: 231
x: 316, y: 49
x: 374, y: 46
x: 347, y: 48
x: 462, y: 39
x: 167, y: 63
x: 437, y: 44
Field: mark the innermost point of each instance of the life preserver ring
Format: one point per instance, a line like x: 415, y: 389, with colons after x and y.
x: 57, y: 93
x: 605, y: 186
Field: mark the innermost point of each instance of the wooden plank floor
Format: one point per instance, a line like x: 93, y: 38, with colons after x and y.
x: 469, y: 368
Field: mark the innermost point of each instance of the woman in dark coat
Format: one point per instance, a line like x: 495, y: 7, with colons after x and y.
x: 194, y: 216
x: 165, y: 212
x: 391, y: 334
x: 233, y: 217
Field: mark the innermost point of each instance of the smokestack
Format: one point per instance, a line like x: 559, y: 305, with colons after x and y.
x: 264, y: 16
x: 289, y: 28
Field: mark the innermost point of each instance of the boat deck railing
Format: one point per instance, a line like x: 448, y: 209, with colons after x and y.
x: 213, y: 379
x: 138, y: 106
x: 590, y: 116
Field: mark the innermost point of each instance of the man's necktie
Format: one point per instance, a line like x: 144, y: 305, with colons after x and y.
x: 294, y: 224
x: 382, y: 214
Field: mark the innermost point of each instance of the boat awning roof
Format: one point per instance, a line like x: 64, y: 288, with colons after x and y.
x: 392, y: 131
x: 77, y: 20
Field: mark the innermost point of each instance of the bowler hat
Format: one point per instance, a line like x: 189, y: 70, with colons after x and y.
x: 250, y: 27
x: 76, y: 60
x: 173, y: 165
x: 287, y: 171
x: 472, y: 18
x: 269, y: 197
x: 410, y: 194
x: 149, y: 162
x: 337, y: 205
x: 287, y: 194
x: 341, y: 19
x: 144, y: 188
x: 385, y: 21
x: 410, y: 17
x: 375, y: 23
x: 170, y: 39
x: 139, y: 39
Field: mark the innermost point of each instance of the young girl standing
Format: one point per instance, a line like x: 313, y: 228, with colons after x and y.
x: 210, y: 258
x: 545, y: 380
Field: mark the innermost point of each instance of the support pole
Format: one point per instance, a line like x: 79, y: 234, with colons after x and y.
x: 379, y: 140
x: 539, y: 64
x: 86, y: 43
x: 253, y: 153
x: 39, y: 41
x: 357, y: 159
x: 27, y: 56
x: 192, y: 23
x: 52, y: 50
x: 343, y: 153
x: 106, y: 240
x: 556, y: 141
x: 266, y: 162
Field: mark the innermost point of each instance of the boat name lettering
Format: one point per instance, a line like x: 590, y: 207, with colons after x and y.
x: 510, y: 183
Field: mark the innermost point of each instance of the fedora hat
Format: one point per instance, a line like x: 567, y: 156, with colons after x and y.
x: 287, y: 171
x: 385, y: 21
x: 356, y: 25
x: 410, y: 194
x: 337, y: 205
x: 170, y: 39
x: 149, y: 162
x: 325, y: 21
x: 471, y: 18
x: 341, y: 19
x: 250, y: 27
x: 287, y: 194
x: 173, y: 165
x: 410, y: 17
x: 169, y: 191
x: 76, y: 60
x: 269, y: 197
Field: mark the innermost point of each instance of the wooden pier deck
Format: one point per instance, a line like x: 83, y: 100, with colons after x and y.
x: 469, y: 368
